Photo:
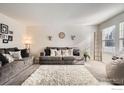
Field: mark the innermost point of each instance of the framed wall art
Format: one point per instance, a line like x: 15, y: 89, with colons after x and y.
x: 10, y: 32
x: 5, y: 41
x: 61, y: 35
x: 5, y: 34
x: 4, y: 28
x: 10, y: 38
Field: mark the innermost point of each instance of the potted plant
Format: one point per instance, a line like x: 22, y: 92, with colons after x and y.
x: 86, y: 55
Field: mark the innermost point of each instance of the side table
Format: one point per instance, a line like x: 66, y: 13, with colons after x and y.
x: 36, y: 60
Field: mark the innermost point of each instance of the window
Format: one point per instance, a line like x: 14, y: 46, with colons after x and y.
x: 121, y: 36
x: 108, y: 36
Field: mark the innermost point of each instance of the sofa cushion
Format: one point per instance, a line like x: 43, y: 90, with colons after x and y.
x: 24, y: 53
x: 50, y: 58
x: 76, y: 52
x: 65, y: 52
x: 68, y: 58
x: 53, y: 52
x: 16, y: 55
x: 11, y: 49
x: 47, y: 51
x: 59, y: 53
x: 3, y: 59
x: 9, y: 57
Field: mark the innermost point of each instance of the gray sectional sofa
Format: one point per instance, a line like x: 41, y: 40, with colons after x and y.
x: 56, y: 60
x: 10, y: 70
x: 45, y: 57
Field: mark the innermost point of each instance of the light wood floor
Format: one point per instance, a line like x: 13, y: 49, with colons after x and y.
x: 21, y: 77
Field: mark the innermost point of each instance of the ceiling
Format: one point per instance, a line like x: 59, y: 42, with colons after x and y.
x: 64, y: 13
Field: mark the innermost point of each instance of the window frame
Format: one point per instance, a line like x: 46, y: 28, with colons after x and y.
x: 121, y: 36
x: 105, y: 41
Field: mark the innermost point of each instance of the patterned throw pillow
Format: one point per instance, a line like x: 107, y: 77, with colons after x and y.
x: 58, y: 53
x: 70, y: 51
x: 16, y: 55
x: 53, y: 52
x: 67, y: 52
x: 63, y: 52
x: 9, y: 57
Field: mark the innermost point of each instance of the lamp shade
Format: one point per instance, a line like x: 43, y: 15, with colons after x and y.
x: 27, y: 42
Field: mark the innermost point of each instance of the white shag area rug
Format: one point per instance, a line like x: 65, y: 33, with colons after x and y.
x: 61, y: 75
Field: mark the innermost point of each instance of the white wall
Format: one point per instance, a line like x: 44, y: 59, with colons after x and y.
x: 18, y: 32
x: 39, y: 35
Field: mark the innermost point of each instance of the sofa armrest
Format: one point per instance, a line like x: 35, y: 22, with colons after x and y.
x: 42, y: 54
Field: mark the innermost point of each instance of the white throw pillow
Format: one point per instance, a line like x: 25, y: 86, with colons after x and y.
x: 9, y: 57
x: 16, y: 55
x: 53, y: 52
x: 58, y: 53
x: 70, y: 51
x: 65, y: 52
